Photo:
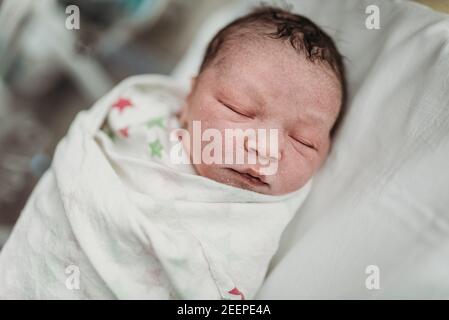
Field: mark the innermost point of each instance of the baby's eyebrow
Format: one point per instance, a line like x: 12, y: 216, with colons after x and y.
x: 318, y: 114
x: 315, y: 116
x: 312, y: 114
x: 258, y: 96
x: 236, y: 96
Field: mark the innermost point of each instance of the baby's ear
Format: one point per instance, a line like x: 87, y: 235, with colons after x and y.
x: 182, y: 112
x: 182, y: 115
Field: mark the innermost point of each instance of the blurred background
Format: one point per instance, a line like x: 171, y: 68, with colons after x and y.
x: 50, y: 69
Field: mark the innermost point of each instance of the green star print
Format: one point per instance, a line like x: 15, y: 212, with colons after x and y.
x: 156, y: 122
x: 156, y: 148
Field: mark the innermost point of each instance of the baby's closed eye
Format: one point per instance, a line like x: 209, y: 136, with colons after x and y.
x: 303, y: 142
x: 235, y: 109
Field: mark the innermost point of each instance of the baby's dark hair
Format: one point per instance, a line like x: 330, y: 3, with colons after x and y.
x: 304, y: 36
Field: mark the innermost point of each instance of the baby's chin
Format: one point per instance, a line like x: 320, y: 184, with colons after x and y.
x: 236, y: 179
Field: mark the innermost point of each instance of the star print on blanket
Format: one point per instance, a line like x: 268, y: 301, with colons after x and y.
x: 144, y: 127
x: 138, y: 124
x: 124, y: 132
x: 156, y: 148
x: 156, y: 122
x: 236, y: 292
x: 122, y: 104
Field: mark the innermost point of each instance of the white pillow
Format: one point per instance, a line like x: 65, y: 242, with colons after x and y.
x: 382, y: 198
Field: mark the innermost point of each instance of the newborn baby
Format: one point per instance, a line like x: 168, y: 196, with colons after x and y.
x: 133, y: 206
x: 268, y: 70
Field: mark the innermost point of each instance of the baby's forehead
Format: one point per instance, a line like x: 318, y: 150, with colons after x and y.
x: 273, y: 71
x: 271, y: 58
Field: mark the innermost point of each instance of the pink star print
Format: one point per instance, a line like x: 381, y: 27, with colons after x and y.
x: 124, y: 132
x: 236, y: 292
x: 121, y: 104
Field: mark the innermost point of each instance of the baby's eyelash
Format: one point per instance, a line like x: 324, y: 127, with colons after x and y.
x: 307, y: 144
x: 233, y: 109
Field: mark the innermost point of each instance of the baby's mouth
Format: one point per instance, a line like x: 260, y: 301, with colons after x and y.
x: 251, y: 179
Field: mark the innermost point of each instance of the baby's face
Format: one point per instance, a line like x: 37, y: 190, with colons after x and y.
x: 266, y: 85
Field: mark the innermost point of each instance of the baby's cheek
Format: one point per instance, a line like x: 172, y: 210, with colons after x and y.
x: 223, y: 129
x: 293, y: 175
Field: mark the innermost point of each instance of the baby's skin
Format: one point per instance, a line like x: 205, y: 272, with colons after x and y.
x: 265, y: 84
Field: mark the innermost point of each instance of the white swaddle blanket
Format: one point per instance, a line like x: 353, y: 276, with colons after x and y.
x: 101, y: 224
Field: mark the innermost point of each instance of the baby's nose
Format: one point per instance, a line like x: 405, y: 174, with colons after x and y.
x: 265, y: 148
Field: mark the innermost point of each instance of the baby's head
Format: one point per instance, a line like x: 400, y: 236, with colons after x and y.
x: 271, y: 69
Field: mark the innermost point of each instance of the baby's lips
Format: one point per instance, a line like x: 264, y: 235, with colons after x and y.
x: 256, y: 172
